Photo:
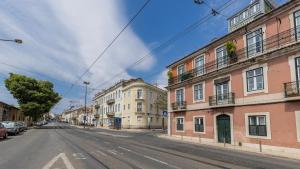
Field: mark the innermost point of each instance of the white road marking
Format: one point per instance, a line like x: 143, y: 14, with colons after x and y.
x: 154, y: 159
x: 100, y: 152
x: 113, y: 135
x: 113, y: 152
x: 64, y: 158
x: 79, y: 156
x: 124, y: 149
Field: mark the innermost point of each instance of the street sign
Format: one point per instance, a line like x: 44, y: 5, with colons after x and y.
x: 165, y: 113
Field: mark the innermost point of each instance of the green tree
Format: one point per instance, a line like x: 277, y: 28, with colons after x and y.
x: 35, y: 97
x: 161, y: 102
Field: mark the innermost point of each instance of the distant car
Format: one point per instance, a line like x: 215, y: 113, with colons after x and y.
x: 3, y: 131
x: 12, y: 127
x: 23, y: 125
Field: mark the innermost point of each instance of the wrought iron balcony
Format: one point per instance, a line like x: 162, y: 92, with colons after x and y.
x: 251, y: 51
x: 110, y: 114
x: 110, y: 101
x: 179, y: 105
x: 292, y: 89
x: 222, y: 99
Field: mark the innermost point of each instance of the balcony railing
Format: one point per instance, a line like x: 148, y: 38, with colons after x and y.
x: 110, y: 101
x: 292, y: 89
x: 110, y: 114
x: 272, y: 43
x: 222, y: 99
x: 179, y: 105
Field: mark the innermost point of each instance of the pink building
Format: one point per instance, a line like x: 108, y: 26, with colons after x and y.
x: 243, y: 88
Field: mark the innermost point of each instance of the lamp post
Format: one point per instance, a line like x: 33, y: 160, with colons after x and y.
x: 19, y: 41
x: 85, y: 113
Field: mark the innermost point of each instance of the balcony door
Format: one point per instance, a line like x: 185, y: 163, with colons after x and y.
x: 254, y: 42
x: 222, y: 57
x: 199, y: 65
x: 222, y: 90
x: 297, y: 24
x: 297, y: 61
x: 179, y: 96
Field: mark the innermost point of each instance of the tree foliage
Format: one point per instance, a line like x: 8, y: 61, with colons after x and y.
x: 161, y: 102
x: 35, y: 97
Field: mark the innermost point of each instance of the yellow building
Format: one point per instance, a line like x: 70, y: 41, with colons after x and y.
x: 130, y: 103
x: 141, y: 107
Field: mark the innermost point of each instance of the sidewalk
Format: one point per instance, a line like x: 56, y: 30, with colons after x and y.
x: 265, y: 151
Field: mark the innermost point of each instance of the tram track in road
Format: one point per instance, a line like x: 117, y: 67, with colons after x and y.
x: 86, y: 144
x: 144, y: 147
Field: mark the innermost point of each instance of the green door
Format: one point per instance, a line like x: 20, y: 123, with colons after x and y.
x: 223, y: 126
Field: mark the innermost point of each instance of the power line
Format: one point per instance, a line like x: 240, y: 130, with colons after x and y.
x: 109, y: 45
x: 171, y: 40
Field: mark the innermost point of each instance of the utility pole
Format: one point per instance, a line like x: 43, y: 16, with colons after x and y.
x: 85, y: 113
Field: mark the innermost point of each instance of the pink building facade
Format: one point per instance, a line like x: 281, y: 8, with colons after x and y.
x: 244, y: 88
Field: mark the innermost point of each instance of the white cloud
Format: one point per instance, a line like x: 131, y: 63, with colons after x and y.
x: 62, y: 37
x: 162, y: 79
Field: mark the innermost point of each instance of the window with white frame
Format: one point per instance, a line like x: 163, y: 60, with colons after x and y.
x: 179, y: 124
x: 255, y: 79
x: 179, y: 96
x: 128, y: 93
x: 198, y: 92
x: 297, y: 23
x: 139, y: 106
x: 222, y: 57
x: 199, y: 65
x: 180, y: 70
x: 139, y: 94
x: 254, y: 42
x: 257, y: 125
x: 199, y: 124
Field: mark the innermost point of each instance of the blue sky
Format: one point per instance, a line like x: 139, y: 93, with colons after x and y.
x: 63, y: 37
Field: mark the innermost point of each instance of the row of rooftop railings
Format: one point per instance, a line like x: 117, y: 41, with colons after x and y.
x: 258, y: 47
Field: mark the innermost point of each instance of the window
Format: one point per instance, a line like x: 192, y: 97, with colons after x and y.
x: 255, y: 79
x: 297, y: 24
x: 128, y: 106
x: 139, y: 93
x: 222, y: 58
x: 150, y: 95
x: 179, y: 95
x: 180, y: 70
x: 254, y: 42
x: 179, y: 124
x: 255, y: 8
x: 257, y: 125
x: 139, y: 106
x: 128, y: 93
x: 198, y: 92
x: 199, y: 124
x: 297, y: 60
x: 199, y: 65
x: 119, y: 107
x: 151, y: 107
x: 124, y: 107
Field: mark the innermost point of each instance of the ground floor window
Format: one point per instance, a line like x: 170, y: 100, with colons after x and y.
x: 199, y: 124
x: 257, y: 125
x: 139, y: 118
x: 179, y: 124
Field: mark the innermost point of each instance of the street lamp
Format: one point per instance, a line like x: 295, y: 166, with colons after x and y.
x: 19, y: 41
x: 84, y: 118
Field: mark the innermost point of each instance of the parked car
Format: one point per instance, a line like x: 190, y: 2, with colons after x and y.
x: 12, y: 127
x: 3, y: 131
x: 22, y: 125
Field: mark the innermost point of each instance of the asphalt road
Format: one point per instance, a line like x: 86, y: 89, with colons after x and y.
x: 65, y: 147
